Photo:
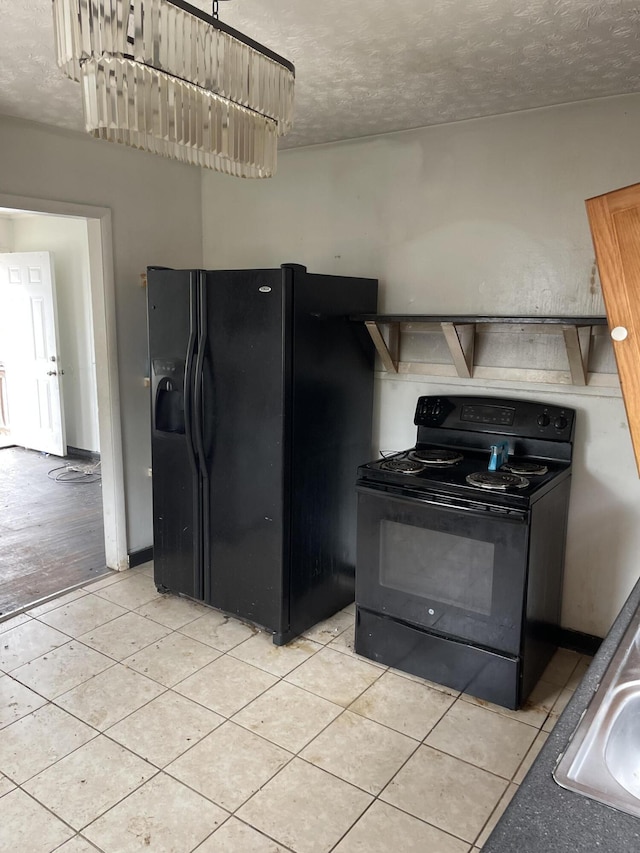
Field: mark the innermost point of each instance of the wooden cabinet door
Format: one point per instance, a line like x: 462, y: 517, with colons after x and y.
x: 614, y: 219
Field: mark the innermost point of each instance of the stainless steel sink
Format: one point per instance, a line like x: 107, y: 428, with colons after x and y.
x: 602, y: 760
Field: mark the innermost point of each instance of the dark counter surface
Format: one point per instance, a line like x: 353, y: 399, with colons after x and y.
x: 545, y: 818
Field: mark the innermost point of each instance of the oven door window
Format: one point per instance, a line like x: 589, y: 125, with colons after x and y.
x: 460, y: 570
x: 457, y: 572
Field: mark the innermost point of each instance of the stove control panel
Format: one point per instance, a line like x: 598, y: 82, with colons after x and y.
x: 524, y: 418
x: 488, y: 414
x: 433, y: 411
x: 553, y: 420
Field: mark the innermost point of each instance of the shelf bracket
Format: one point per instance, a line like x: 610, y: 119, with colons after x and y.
x: 460, y: 339
x: 459, y: 332
x: 389, y: 353
x: 577, y: 341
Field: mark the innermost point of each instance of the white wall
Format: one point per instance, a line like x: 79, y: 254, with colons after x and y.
x: 67, y: 240
x: 6, y: 233
x: 156, y: 215
x: 484, y: 216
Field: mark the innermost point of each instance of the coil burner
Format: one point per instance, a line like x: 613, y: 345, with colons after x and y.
x: 436, y: 457
x: 403, y: 466
x: 497, y: 480
x: 525, y: 469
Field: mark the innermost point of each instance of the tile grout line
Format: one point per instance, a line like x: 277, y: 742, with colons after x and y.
x: 263, y: 833
x: 51, y: 812
x: 493, y: 811
x: 507, y: 779
x: 293, y: 755
x: 222, y: 654
x: 263, y: 737
x: 279, y: 679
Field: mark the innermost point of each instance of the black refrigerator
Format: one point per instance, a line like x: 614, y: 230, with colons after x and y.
x: 262, y: 394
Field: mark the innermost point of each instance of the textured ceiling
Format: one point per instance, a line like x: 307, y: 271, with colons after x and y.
x: 372, y: 66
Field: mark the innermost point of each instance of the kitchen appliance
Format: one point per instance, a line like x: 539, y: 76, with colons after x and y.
x: 459, y: 568
x: 261, y: 413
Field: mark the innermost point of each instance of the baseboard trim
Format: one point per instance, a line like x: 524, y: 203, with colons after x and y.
x: 142, y: 555
x: 586, y: 644
x: 79, y: 453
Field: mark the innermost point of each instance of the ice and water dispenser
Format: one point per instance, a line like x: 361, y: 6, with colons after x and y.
x: 168, y: 399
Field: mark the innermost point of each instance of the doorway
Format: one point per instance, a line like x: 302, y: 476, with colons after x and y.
x: 86, y: 486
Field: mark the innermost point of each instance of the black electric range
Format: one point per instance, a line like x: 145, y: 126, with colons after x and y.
x: 461, y: 544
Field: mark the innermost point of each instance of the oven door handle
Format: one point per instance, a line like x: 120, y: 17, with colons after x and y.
x: 448, y: 504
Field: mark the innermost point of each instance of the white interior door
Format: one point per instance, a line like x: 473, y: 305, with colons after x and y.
x: 30, y: 351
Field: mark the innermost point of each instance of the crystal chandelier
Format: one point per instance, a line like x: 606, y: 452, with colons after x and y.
x: 163, y: 76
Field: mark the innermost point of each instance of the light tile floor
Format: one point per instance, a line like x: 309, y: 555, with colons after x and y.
x: 131, y: 721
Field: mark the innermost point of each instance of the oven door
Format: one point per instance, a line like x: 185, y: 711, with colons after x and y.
x: 453, y: 567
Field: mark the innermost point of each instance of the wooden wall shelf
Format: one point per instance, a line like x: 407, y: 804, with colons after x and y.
x: 459, y: 332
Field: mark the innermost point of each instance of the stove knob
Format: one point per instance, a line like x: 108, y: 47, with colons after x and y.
x: 543, y: 420
x: 560, y: 422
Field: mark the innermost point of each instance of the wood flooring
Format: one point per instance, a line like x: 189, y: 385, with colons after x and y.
x: 51, y: 533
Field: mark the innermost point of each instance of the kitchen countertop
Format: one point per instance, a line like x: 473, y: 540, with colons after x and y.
x: 545, y: 818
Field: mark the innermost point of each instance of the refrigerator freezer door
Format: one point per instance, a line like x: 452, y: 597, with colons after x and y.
x: 172, y: 307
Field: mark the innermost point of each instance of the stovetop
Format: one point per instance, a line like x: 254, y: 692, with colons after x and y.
x: 453, y: 479
x: 464, y: 429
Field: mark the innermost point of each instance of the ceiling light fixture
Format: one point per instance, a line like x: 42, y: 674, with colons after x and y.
x: 163, y: 76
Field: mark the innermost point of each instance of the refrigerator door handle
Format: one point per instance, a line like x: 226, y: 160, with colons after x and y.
x: 198, y: 421
x: 189, y: 414
x: 188, y: 377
